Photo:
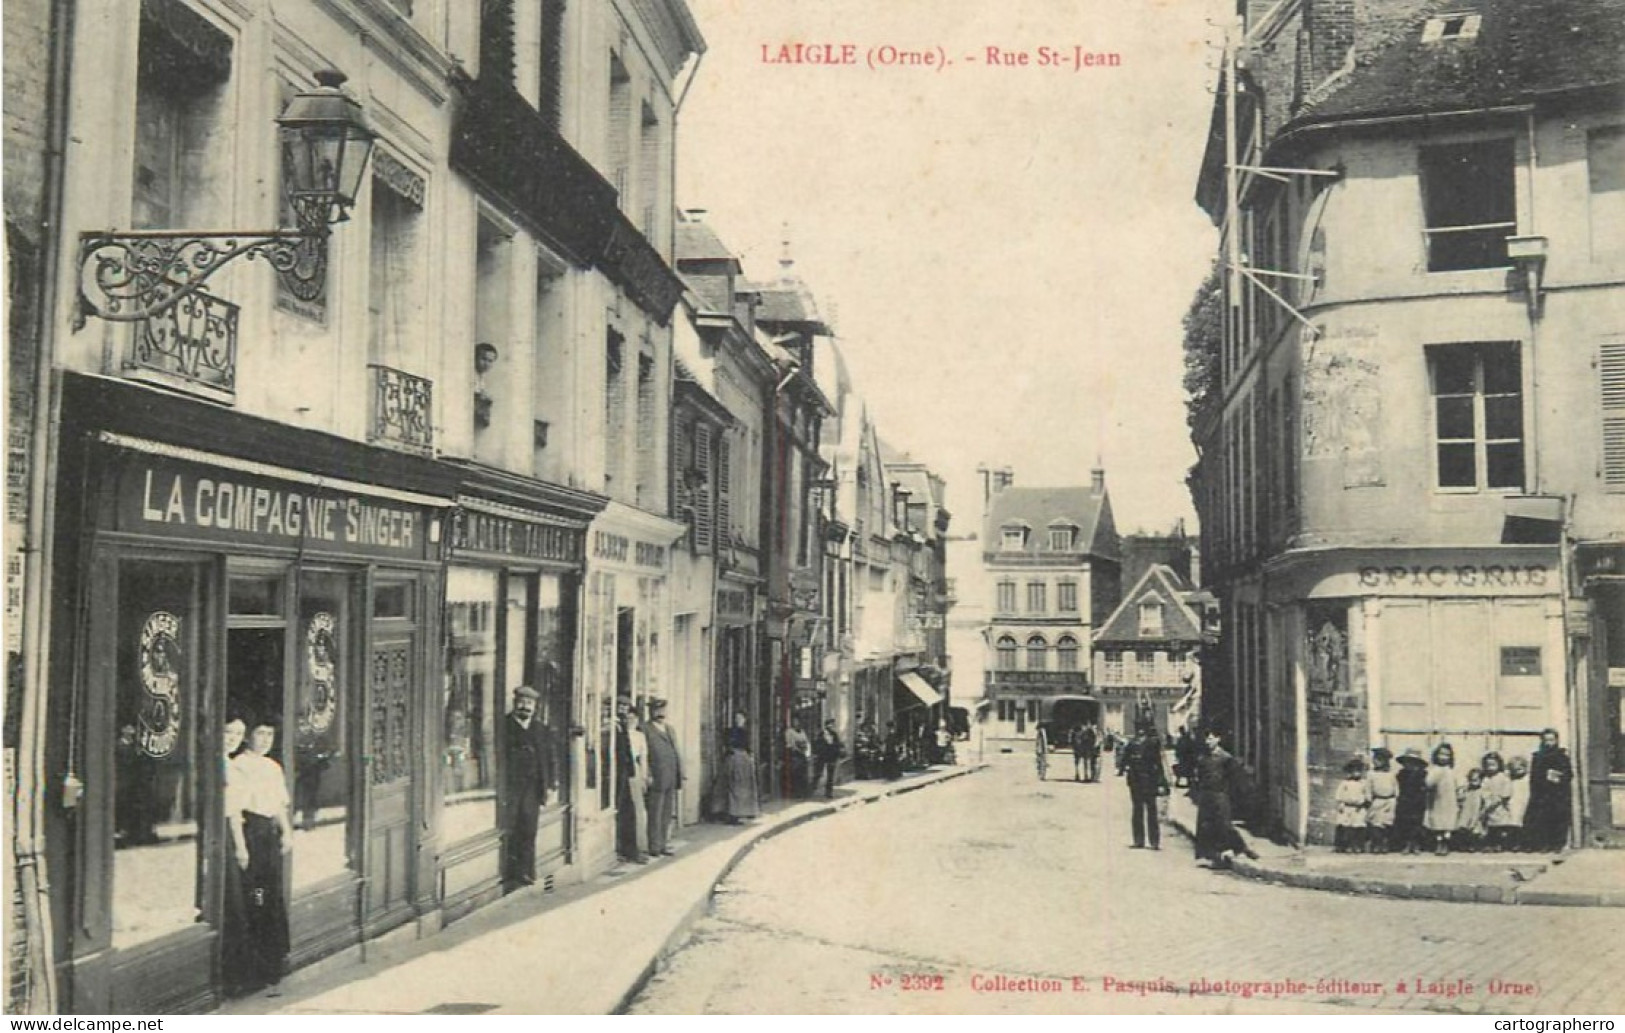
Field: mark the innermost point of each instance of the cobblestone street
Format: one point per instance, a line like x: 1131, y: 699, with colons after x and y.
x: 996, y: 893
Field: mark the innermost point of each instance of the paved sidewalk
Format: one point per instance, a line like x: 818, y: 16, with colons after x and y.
x: 1582, y: 878
x: 583, y: 950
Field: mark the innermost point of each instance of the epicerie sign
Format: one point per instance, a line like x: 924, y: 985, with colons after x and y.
x: 197, y: 501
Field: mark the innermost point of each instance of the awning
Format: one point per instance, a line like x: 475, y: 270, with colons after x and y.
x: 921, y: 688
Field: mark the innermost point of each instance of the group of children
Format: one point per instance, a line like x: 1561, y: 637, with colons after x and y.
x: 1423, y: 805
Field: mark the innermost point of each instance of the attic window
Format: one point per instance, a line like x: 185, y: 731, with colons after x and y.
x: 1060, y: 538
x: 1150, y: 618
x: 1451, y: 26
x: 1013, y: 536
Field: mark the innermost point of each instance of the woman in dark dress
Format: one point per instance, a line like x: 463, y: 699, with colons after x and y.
x: 1217, y: 776
x: 1546, y: 822
x: 258, y: 815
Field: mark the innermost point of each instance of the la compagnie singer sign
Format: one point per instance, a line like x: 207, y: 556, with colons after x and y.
x: 184, y: 500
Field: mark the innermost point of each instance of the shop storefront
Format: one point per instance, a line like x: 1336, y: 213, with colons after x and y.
x: 515, y: 557
x: 198, y: 585
x: 1598, y: 631
x: 738, y: 608
x: 625, y: 651
x: 1411, y: 648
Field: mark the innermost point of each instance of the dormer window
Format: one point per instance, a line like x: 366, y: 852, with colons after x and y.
x: 1060, y: 538
x: 1451, y: 26
x: 1013, y: 537
x: 1150, y: 618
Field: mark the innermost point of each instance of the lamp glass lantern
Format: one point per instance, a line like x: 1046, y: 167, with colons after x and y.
x: 326, y: 142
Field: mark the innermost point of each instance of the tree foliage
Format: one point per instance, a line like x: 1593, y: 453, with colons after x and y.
x: 1204, y: 337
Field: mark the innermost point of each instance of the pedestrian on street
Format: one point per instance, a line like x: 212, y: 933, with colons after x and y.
x: 1384, y: 800
x: 1141, y: 764
x: 1218, y: 775
x: 1518, y: 802
x: 1497, y: 802
x: 798, y: 756
x: 1411, y: 806
x: 739, y: 799
x: 524, y: 788
x: 1185, y: 751
x: 828, y: 750
x: 1353, y: 809
x: 665, y: 778
x: 1443, y: 807
x: 259, y: 816
x: 1546, y: 823
x: 631, y: 785
x: 1085, y: 753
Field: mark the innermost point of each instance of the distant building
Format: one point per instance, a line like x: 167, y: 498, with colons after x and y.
x: 1145, y: 655
x: 1051, y: 557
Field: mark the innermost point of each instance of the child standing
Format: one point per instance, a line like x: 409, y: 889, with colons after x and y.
x: 1497, y: 800
x: 1518, y: 800
x: 1470, y: 808
x: 1443, y: 806
x: 1384, y: 800
x: 1410, y: 809
x: 1353, y: 805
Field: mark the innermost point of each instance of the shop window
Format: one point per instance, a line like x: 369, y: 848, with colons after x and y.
x: 392, y: 601
x: 1470, y: 204
x: 1478, y: 415
x: 256, y: 596
x: 550, y: 665
x: 473, y: 704
x: 325, y: 682
x: 158, y: 751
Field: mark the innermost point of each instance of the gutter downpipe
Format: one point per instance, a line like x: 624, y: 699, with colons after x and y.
x: 33, y: 877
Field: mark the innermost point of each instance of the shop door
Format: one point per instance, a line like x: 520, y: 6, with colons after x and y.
x: 390, y: 846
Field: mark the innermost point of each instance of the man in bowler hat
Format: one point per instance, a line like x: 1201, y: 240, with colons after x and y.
x: 524, y: 787
x: 665, y: 777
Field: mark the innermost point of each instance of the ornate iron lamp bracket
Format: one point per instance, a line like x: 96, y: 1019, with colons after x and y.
x: 130, y: 277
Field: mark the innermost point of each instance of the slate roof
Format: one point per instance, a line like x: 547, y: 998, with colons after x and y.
x: 1161, y: 584
x: 696, y: 240
x: 1524, y: 49
x: 1038, y: 508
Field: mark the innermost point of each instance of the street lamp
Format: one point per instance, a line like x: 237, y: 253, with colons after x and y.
x: 325, y: 143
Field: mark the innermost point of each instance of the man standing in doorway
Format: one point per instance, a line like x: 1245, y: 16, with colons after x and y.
x: 524, y: 786
x: 631, y: 782
x: 665, y: 777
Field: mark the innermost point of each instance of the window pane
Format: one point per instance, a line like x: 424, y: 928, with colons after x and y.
x: 1505, y: 464
x: 1457, y: 468
x: 1503, y: 369
x: 156, y: 853
x: 392, y: 601
x: 1468, y: 249
x: 472, y: 705
x: 1453, y: 370
x: 1468, y: 184
x: 1455, y: 418
x: 1503, y: 417
x: 256, y: 596
x: 555, y: 646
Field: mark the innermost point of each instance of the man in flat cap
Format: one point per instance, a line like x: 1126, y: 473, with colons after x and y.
x: 524, y: 787
x: 665, y: 777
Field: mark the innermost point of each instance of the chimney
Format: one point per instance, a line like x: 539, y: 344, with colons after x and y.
x: 1003, y: 477
x: 1330, y: 25
x: 1097, y: 478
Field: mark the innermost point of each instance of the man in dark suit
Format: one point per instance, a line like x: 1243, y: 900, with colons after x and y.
x: 524, y: 786
x: 1141, y: 764
x: 665, y: 777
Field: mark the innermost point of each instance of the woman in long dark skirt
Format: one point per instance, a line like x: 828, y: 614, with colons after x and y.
x: 257, y: 809
x: 1551, y: 773
x: 1217, y: 776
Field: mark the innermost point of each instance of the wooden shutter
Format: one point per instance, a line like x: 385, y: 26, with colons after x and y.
x: 703, y: 516
x: 682, y: 455
x: 724, y: 491
x: 1611, y: 376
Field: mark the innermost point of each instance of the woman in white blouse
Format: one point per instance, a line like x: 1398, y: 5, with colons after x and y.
x: 258, y: 815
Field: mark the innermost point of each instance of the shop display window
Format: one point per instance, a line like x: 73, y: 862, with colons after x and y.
x: 473, y: 704
x: 159, y: 751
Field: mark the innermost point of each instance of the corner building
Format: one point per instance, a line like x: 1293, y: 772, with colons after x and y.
x: 1411, y: 469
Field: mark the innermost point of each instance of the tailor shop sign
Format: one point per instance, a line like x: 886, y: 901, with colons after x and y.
x: 478, y: 532
x: 185, y: 500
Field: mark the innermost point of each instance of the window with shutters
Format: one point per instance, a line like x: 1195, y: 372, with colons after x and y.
x: 1611, y: 374
x: 614, y: 415
x: 704, y: 515
x: 648, y: 445
x: 681, y: 475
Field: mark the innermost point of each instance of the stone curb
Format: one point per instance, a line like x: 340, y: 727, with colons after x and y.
x: 685, y: 922
x: 1452, y: 892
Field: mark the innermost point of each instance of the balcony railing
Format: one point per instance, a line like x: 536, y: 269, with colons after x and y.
x: 402, y: 410
x: 194, y: 342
